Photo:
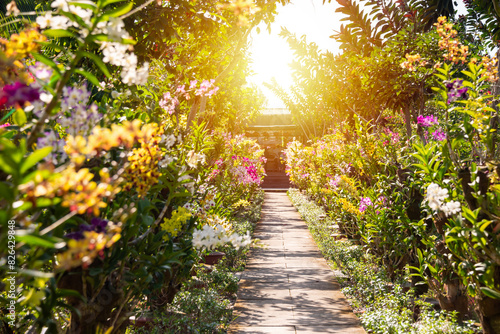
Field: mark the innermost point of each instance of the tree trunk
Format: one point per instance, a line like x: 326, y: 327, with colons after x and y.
x: 488, y: 310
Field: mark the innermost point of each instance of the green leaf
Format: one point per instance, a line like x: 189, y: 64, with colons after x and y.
x: 19, y: 117
x: 490, y: 293
x: 8, y: 165
x: 47, y: 61
x: 86, y: 5
x: 97, y: 60
x: 128, y: 41
x: 432, y: 269
x: 69, y: 293
x: 58, y: 33
x: 51, y: 45
x: 100, y: 38
x: 109, y: 2
x: 90, y: 77
x: 34, y: 158
x: 485, y: 225
x: 8, y: 115
x: 6, y: 192
x: 35, y: 240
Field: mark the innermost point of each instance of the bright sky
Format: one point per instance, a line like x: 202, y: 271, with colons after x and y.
x: 271, y: 54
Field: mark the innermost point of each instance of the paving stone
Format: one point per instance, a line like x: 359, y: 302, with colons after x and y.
x: 312, y: 316
x: 263, y: 330
x: 267, y: 312
x: 249, y: 290
x: 269, y: 275
x: 287, y: 286
x: 309, y: 263
x: 251, y: 264
x: 349, y: 329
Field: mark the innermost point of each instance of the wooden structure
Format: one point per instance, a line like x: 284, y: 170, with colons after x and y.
x: 273, y: 130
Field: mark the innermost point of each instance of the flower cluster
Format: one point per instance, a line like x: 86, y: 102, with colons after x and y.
x: 78, y: 119
x: 412, y: 61
x: 143, y: 172
x: 427, y: 121
x: 455, y: 51
x: 115, y: 53
x: 18, y: 94
x: 92, y: 243
x: 76, y: 188
x: 394, y: 136
x: 333, y: 181
x: 348, y: 206
x: 435, y: 197
x: 174, y: 224
x: 170, y: 101
x: 490, y: 66
x: 96, y: 224
x: 439, y: 135
x: 210, y: 237
x: 245, y: 171
x: 102, y: 140
x: 20, y: 45
x: 364, y: 203
x: 52, y: 139
x: 194, y: 158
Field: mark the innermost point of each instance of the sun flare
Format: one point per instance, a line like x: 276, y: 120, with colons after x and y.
x: 271, y: 54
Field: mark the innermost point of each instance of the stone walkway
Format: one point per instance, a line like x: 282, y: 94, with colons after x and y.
x: 287, y: 287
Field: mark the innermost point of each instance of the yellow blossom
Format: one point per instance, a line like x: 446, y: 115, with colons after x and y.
x: 174, y: 225
x: 20, y: 45
x: 455, y: 51
x: 83, y: 252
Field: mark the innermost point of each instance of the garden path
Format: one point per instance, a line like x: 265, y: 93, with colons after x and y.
x: 287, y: 286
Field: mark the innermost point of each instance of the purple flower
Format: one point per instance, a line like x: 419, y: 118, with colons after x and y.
x: 427, y: 120
x: 456, y: 90
x: 18, y: 93
x: 96, y: 224
x: 364, y: 203
x: 99, y: 225
x: 439, y: 135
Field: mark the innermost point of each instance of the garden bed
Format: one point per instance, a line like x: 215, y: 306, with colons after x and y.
x: 382, y: 306
x: 205, y: 301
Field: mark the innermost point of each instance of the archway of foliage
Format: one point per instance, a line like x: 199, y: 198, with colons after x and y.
x: 119, y: 154
x: 412, y: 172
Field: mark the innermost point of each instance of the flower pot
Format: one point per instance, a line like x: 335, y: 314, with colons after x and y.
x: 213, y: 258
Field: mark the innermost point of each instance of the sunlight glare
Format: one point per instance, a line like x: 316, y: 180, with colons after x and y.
x: 271, y: 54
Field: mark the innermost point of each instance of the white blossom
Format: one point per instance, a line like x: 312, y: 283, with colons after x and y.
x: 167, y: 160
x: 60, y: 4
x: 194, y: 158
x: 84, y: 14
x: 435, y: 196
x: 44, y: 21
x: 451, y: 207
x: 60, y: 22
